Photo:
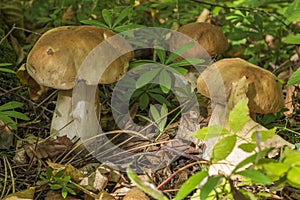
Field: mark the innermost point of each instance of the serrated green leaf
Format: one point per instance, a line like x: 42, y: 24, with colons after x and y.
x: 15, y: 114
x: 147, y: 77
x: 247, y: 147
x: 180, y: 51
x: 264, y: 135
x: 11, y: 105
x: 239, y: 116
x: 107, y: 17
x: 189, y: 185
x: 145, y: 186
x: 210, y: 132
x: 144, y: 101
x: 122, y: 15
x: 209, y: 186
x: 223, y: 148
x: 165, y: 81
x: 295, y: 79
x: 293, y: 176
x: 255, y: 176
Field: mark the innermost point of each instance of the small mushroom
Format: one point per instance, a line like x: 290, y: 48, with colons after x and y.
x: 264, y: 92
x: 209, y: 36
x: 56, y: 58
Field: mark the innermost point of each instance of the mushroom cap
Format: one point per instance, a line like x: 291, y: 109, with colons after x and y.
x: 58, y: 54
x: 210, y: 37
x: 264, y: 91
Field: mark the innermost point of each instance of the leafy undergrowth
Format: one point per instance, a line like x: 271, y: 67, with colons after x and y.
x: 36, y: 166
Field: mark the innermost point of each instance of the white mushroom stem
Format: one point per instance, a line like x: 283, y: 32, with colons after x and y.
x: 63, y: 121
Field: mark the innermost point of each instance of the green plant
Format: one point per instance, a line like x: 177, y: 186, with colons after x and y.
x: 115, y: 21
x: 57, y: 181
x: 7, y: 113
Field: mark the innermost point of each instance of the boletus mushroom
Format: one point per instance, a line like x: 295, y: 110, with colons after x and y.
x: 56, y: 58
x: 264, y: 91
x: 212, y: 40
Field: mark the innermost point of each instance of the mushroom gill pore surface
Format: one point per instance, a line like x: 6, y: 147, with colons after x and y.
x: 264, y: 92
x: 58, y: 54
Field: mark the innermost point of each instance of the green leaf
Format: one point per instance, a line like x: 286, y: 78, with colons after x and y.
x: 5, y: 64
x: 94, y: 23
x: 293, y: 157
x: 64, y: 193
x: 55, y: 186
x: 165, y: 81
x: 208, y: 187
x: 107, y: 17
x: 60, y: 173
x: 295, y: 79
x: 8, y: 121
x: 70, y: 190
x: 11, y: 105
x: 67, y: 179
x: 239, y: 116
x: 129, y: 27
x: 147, y: 77
x: 180, y: 70
x: 293, y: 176
x: 7, y: 70
x: 180, y: 51
x: 292, y: 12
x: 252, y: 159
x: 15, y: 114
x: 247, y: 147
x: 163, y: 121
x: 154, y: 112
x: 276, y: 169
x: 264, y: 135
x: 144, y: 101
x: 148, y: 188
x: 161, y: 53
x: 210, y: 132
x: 49, y: 173
x: 187, y: 62
x: 161, y: 99
x: 189, y: 185
x: 255, y: 176
x: 292, y: 39
x: 122, y: 15
x: 223, y: 148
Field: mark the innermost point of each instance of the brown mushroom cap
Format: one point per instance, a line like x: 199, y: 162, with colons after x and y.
x: 58, y: 54
x: 210, y: 37
x: 264, y: 91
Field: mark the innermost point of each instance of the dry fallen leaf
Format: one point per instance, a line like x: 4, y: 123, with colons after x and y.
x: 22, y: 195
x: 135, y: 193
x: 49, y: 148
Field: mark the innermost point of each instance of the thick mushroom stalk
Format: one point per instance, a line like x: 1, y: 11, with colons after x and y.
x: 228, y: 81
x: 54, y: 62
